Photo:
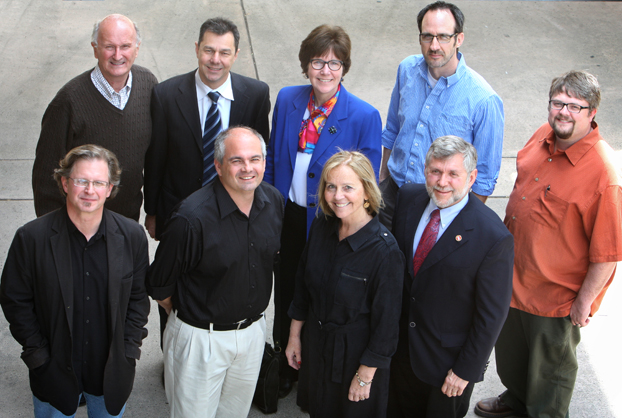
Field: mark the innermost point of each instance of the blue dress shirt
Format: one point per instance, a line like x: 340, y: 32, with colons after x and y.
x: 463, y: 105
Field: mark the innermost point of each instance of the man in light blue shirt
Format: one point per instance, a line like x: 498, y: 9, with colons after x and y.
x: 436, y: 94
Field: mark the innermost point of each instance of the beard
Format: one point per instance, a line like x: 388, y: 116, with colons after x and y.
x: 562, y: 133
x: 455, y: 197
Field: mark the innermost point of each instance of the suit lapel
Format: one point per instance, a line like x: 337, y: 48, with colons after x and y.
x: 293, y: 121
x: 410, y: 228
x: 240, y: 102
x: 332, y: 129
x: 61, y: 254
x: 115, y: 248
x: 189, y: 107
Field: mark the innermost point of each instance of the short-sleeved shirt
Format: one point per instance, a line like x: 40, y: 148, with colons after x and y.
x: 565, y: 212
x: 462, y: 104
x: 215, y: 261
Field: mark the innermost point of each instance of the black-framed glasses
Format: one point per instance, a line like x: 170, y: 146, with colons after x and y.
x: 442, y: 38
x: 572, y: 107
x: 333, y: 65
x: 98, y: 184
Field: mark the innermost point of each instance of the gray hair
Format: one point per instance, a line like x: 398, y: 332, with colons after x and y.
x: 579, y: 84
x: 447, y: 146
x: 95, y: 33
x: 219, y: 142
x: 89, y: 152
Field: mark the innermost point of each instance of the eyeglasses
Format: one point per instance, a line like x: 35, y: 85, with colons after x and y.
x: 333, y: 65
x: 572, y: 107
x: 98, y: 184
x: 443, y: 38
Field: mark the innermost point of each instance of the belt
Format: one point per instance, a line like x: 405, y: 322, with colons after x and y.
x: 245, y: 323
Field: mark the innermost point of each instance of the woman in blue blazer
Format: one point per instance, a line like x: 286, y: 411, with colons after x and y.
x: 310, y: 123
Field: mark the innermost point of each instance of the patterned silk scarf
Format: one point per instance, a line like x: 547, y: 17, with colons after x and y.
x: 311, y: 128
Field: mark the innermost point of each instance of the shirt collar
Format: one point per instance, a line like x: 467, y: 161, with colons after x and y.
x: 226, y: 205
x: 99, y: 80
x: 225, y: 88
x: 452, y: 79
x: 361, y: 236
x: 447, y: 214
x: 577, y: 150
x: 72, y: 228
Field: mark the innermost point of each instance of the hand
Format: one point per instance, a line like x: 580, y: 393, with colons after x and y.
x: 580, y: 313
x: 150, y: 225
x: 292, y: 352
x: 453, y: 385
x: 167, y: 304
x: 358, y: 393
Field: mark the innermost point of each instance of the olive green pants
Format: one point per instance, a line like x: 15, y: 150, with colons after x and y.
x: 537, y: 362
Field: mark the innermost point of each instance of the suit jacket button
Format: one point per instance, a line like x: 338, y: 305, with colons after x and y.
x: 311, y: 175
x: 412, y: 325
x: 311, y: 205
x: 200, y: 180
x: 413, y: 299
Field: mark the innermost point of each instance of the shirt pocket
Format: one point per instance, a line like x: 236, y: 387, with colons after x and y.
x: 351, y: 289
x: 549, y: 210
x: 452, y: 124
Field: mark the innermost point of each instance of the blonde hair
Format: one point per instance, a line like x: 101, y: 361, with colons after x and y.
x: 361, y: 165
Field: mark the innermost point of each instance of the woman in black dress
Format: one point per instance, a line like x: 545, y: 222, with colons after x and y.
x: 348, y: 297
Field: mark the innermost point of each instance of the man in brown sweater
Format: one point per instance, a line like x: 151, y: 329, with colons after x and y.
x: 108, y: 106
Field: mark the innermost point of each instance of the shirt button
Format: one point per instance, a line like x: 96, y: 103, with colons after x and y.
x: 408, y: 181
x: 88, y: 274
x: 413, y: 299
x: 513, y: 217
x: 416, y: 144
x: 427, y: 107
x: 87, y: 321
x: 69, y: 368
x: 252, y: 244
x: 88, y: 298
x: 252, y: 265
x: 523, y: 197
x: 550, y: 159
x: 537, y: 179
x: 412, y: 325
x: 411, y: 163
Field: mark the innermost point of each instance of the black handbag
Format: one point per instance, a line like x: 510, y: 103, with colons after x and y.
x: 267, y: 391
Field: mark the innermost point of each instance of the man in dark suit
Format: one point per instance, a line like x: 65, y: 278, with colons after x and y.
x: 188, y: 111
x: 457, y: 289
x: 74, y: 295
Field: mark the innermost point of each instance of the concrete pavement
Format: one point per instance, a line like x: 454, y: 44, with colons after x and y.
x: 518, y: 46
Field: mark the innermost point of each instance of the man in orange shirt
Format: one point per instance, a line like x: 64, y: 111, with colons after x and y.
x: 564, y: 213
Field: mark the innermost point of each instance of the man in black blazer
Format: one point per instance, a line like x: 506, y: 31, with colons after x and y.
x: 74, y: 295
x: 174, y: 166
x: 456, y: 301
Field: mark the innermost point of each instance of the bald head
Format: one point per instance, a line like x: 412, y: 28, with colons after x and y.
x: 115, y: 42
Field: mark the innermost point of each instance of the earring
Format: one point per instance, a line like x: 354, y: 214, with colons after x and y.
x: 366, y: 204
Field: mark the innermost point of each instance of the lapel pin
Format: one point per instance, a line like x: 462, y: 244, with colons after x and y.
x: 332, y: 130
x: 458, y: 238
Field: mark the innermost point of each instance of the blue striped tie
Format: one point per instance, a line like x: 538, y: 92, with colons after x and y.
x: 213, y: 127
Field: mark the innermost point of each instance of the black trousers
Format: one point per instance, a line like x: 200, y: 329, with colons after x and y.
x: 410, y: 397
x: 388, y: 188
x: 293, y: 240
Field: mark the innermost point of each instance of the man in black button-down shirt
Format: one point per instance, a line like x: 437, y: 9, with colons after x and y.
x: 213, y: 274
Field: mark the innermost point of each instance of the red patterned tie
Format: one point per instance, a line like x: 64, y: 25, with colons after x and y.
x: 427, y: 241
